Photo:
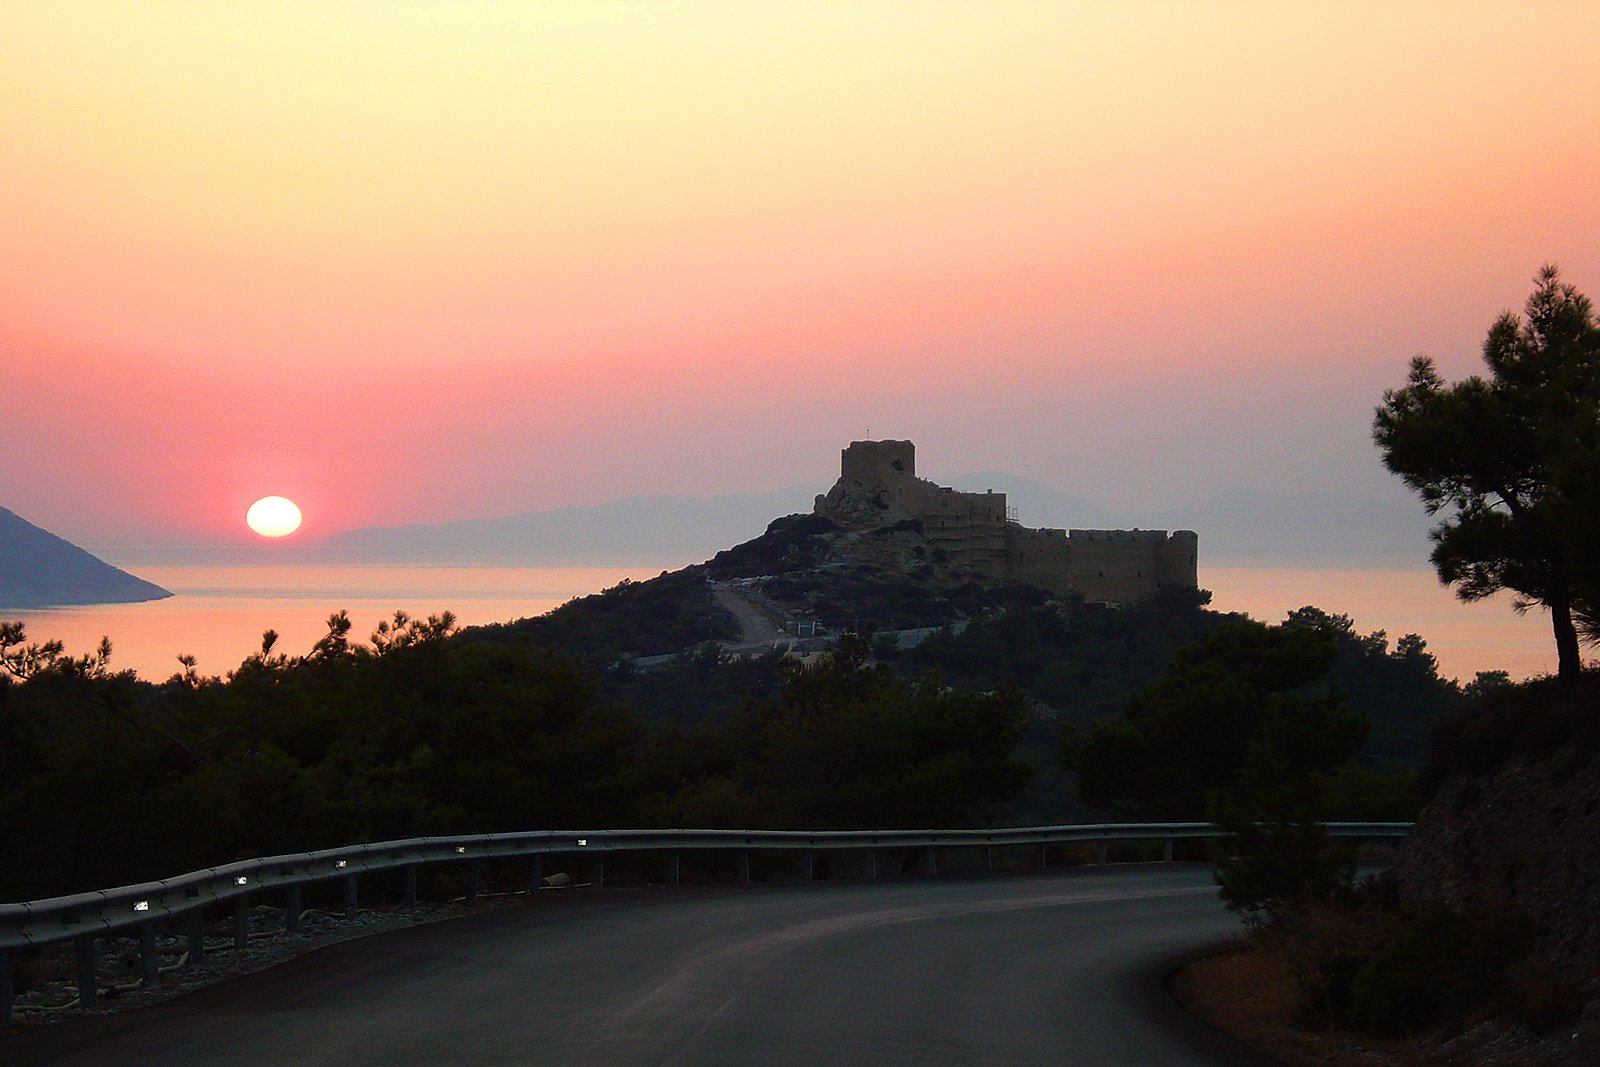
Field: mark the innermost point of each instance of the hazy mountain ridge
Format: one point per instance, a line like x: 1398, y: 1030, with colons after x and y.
x: 633, y: 528
x: 39, y: 569
x: 1239, y: 525
x: 1242, y: 525
x: 1235, y: 525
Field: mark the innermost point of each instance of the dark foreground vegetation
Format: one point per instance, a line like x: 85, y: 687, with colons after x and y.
x: 106, y: 779
x: 1075, y: 663
x: 1362, y: 979
x: 1480, y: 945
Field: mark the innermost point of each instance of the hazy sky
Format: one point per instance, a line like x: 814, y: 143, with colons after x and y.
x: 411, y: 261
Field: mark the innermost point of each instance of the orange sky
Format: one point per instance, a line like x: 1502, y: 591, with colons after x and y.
x: 421, y: 261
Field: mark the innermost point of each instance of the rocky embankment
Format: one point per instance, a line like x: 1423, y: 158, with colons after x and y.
x: 1515, y: 822
x: 1513, y: 829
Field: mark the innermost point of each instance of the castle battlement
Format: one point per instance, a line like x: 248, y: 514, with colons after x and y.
x: 878, y: 486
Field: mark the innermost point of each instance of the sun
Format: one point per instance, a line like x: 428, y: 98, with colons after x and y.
x: 273, y: 516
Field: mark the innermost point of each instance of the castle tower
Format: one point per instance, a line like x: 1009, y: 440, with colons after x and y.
x: 1177, y: 561
x: 878, y: 464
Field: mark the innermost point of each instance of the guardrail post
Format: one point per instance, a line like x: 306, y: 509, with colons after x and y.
x: 808, y: 864
x: 743, y: 875
x: 474, y: 871
x: 988, y: 861
x: 197, y: 936
x: 352, y: 902
x: 535, y: 873
x: 1044, y: 855
x: 291, y: 910
x: 674, y: 870
x: 241, y: 921
x: 83, y: 948
x: 1166, y: 851
x: 930, y: 860
x: 408, y: 885
x: 1101, y: 848
x: 872, y: 863
x: 7, y: 993
x: 597, y: 870
x: 149, y: 955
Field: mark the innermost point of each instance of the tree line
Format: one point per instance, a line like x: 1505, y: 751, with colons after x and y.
x: 106, y: 779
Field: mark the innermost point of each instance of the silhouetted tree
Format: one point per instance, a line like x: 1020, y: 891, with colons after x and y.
x: 1512, y: 462
x: 849, y: 743
x: 1241, y: 687
x: 1244, y: 730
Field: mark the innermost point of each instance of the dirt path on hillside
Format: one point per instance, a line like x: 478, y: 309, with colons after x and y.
x: 756, y: 624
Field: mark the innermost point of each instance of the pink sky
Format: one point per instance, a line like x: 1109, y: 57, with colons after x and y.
x: 418, y: 262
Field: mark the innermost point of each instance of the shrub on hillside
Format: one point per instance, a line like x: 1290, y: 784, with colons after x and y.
x: 1367, y: 964
x: 1513, y: 721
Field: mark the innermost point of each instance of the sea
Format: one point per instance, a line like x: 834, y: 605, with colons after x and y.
x: 219, y: 612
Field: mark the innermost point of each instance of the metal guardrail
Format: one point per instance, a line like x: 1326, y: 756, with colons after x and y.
x: 82, y: 917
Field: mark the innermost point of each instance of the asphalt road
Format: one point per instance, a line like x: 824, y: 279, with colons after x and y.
x: 1056, y: 968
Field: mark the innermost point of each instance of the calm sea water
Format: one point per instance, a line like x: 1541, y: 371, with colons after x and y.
x: 1466, y: 638
x: 220, y: 612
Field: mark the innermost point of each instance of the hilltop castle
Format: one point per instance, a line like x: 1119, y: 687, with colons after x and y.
x: 878, y: 486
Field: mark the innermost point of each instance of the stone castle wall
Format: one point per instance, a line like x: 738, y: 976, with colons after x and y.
x: 878, y: 484
x: 1115, y: 566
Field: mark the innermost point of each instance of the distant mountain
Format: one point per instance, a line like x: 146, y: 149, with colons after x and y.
x: 651, y: 528
x: 1037, y: 504
x: 1308, y: 529
x: 1235, y: 526
x: 39, y: 569
x: 1243, y: 525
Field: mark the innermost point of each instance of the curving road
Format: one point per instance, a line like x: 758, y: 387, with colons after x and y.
x: 1058, y: 968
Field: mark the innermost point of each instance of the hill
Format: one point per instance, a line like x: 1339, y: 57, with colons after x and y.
x: 39, y: 569
x: 808, y: 578
x: 805, y: 572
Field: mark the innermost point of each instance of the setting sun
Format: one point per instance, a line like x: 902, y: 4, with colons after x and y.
x: 273, y: 516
